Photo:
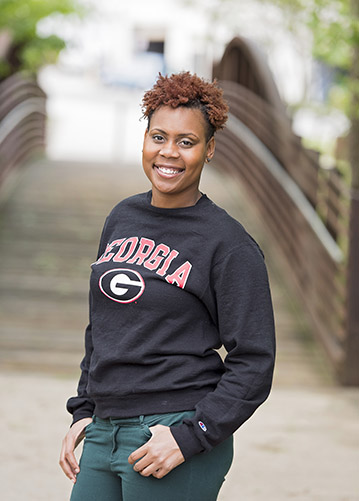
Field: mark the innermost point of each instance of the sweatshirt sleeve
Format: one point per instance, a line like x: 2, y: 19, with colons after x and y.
x: 82, y: 405
x: 246, y: 329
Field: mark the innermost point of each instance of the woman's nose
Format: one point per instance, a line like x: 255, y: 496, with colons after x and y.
x: 169, y: 150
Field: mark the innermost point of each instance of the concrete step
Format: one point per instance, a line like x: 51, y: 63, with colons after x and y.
x: 67, y: 259
x: 37, y: 286
x: 47, y: 313
x: 35, y: 339
x: 45, y: 361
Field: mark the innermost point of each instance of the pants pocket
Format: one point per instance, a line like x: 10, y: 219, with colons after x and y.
x: 169, y: 419
x: 87, y: 428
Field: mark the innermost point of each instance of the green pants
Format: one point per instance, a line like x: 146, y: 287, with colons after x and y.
x: 106, y: 474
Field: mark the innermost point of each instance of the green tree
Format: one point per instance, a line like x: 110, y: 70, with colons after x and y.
x: 334, y: 25
x: 29, y: 50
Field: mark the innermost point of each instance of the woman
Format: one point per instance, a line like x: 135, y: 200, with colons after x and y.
x: 175, y: 279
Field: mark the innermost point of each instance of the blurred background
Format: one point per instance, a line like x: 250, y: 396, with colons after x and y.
x: 72, y: 76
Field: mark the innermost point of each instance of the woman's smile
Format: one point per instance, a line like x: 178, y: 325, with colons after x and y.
x: 167, y: 171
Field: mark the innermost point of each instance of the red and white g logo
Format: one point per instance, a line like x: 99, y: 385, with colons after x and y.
x: 122, y: 285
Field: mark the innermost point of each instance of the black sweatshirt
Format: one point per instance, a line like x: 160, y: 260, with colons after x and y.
x: 170, y: 287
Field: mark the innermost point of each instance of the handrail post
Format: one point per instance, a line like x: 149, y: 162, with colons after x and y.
x: 350, y: 369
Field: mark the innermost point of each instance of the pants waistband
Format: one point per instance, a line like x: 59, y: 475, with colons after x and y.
x: 139, y: 420
x: 132, y: 421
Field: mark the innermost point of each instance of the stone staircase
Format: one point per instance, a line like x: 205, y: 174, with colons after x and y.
x: 49, y: 231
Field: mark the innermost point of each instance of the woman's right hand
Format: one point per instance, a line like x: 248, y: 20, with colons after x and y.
x: 68, y: 461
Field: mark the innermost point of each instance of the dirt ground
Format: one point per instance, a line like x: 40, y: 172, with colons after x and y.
x: 302, y: 444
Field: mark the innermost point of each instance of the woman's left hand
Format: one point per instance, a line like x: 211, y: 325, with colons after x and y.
x: 159, y: 455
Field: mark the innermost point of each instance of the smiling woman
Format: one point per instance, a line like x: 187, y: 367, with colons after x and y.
x: 156, y: 404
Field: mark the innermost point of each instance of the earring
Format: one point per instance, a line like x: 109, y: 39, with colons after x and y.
x: 208, y: 160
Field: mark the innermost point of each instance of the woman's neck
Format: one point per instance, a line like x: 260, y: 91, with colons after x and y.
x: 177, y: 201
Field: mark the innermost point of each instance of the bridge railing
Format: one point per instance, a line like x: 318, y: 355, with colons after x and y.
x: 324, y: 188
x: 305, y: 207
x: 22, y: 122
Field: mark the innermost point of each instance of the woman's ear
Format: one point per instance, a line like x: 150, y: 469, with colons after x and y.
x: 144, y: 138
x: 211, y: 146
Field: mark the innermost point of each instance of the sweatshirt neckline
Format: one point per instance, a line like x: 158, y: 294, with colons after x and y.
x: 174, y: 210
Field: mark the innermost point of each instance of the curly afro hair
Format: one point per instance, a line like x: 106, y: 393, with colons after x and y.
x: 185, y: 89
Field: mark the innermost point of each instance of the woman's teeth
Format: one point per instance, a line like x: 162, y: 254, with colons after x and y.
x: 167, y: 170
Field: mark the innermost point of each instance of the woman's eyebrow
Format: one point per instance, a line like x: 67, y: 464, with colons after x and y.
x: 187, y: 134
x: 160, y: 131
x: 183, y: 134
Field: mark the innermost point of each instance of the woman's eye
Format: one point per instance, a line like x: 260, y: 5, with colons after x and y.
x: 157, y: 138
x: 186, y: 143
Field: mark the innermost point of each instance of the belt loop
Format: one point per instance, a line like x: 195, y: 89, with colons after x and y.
x: 94, y: 418
x: 141, y: 419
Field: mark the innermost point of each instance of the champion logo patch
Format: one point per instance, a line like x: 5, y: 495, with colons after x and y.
x: 202, y: 426
x: 122, y: 285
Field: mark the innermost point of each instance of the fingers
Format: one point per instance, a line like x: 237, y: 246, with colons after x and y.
x: 137, y: 454
x: 152, y: 470
x: 68, y: 461
x: 145, y: 466
x: 156, y: 465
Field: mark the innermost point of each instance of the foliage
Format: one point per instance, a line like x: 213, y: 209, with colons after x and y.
x: 334, y: 25
x: 335, y: 30
x: 29, y: 50
x: 331, y: 28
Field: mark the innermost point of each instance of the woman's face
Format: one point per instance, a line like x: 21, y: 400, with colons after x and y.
x: 174, y: 151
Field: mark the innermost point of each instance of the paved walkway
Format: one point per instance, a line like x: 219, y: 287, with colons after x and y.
x: 302, y: 444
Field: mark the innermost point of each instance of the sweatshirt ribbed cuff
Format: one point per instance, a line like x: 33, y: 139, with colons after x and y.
x: 81, y: 414
x: 186, y: 440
